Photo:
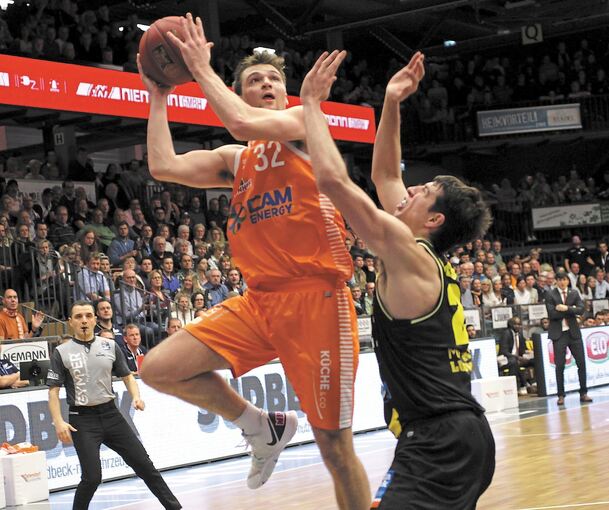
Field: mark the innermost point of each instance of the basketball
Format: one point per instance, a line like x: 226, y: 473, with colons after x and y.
x: 161, y: 60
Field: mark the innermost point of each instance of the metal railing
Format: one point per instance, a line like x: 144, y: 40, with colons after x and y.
x: 492, y: 321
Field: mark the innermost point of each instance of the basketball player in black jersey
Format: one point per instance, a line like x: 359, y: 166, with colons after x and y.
x: 445, y: 456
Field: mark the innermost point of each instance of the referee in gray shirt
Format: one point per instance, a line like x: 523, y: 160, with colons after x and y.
x: 84, y: 365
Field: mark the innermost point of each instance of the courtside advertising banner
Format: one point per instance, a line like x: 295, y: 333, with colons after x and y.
x: 596, y: 344
x: 176, y: 433
x: 76, y: 88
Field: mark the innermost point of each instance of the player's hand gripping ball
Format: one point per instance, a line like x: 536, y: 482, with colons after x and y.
x: 161, y: 60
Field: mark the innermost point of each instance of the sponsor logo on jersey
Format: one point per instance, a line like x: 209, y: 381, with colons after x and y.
x: 261, y: 207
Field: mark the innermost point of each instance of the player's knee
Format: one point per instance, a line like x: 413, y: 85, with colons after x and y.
x: 336, y: 449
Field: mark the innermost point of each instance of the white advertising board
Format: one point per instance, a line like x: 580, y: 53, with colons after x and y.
x: 596, y: 343
x: 174, y: 432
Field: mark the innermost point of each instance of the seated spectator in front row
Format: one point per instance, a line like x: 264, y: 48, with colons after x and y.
x: 512, y: 345
x: 12, y: 324
x: 10, y: 376
x: 132, y: 346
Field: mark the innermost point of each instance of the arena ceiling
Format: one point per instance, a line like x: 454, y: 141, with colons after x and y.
x: 401, y: 25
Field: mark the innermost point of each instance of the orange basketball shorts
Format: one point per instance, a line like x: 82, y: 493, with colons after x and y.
x: 310, y: 324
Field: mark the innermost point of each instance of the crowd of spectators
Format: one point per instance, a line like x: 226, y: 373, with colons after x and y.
x: 150, y: 259
x: 489, y: 279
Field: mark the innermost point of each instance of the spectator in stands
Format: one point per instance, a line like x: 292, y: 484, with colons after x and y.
x: 563, y: 307
x: 601, y: 288
x: 43, y: 208
x: 159, y: 252
x: 144, y: 270
x: 585, y: 287
x: 183, y: 310
x: 531, y: 286
x: 214, y: 216
x: 466, y: 269
x: 234, y: 281
x: 12, y: 324
x: 196, y: 212
x: 217, y: 290
x: 171, y: 284
x: 198, y: 301
x: 122, y: 247
x: 132, y: 347
x: 580, y: 254
x: 573, y: 273
x: 471, y: 331
x: 173, y: 325
x: 356, y: 295
x: 515, y: 273
x: 490, y: 296
x: 81, y: 169
x: 522, y: 295
x: 91, y: 284
x: 172, y: 211
x: 467, y: 300
x: 476, y: 290
x: 89, y: 243
x: 497, y: 252
x: 601, y: 259
x: 506, y: 289
x: 104, y: 312
x: 158, y: 302
x: 61, y: 232
x: 68, y: 195
x: 130, y: 306
x: 512, y: 345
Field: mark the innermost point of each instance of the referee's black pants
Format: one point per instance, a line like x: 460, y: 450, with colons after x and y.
x: 104, y: 424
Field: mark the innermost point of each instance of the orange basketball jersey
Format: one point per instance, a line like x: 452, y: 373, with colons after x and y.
x: 280, y: 225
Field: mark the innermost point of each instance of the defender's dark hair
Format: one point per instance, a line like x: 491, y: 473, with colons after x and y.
x: 467, y: 216
x: 255, y: 59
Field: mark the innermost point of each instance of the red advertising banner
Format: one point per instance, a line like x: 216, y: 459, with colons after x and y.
x: 69, y: 87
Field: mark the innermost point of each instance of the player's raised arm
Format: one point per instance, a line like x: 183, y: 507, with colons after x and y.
x: 375, y: 226
x: 386, y: 172
x: 204, y: 169
x: 260, y: 117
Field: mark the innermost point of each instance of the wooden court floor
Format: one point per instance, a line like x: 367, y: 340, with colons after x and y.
x: 557, y: 460
x: 546, y: 459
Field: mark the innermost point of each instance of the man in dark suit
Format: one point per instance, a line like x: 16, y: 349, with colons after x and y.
x: 563, y: 306
x: 512, y: 345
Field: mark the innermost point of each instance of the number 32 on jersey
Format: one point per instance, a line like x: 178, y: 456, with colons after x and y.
x: 268, y: 155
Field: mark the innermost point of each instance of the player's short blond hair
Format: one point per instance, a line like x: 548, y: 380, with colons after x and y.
x: 257, y: 58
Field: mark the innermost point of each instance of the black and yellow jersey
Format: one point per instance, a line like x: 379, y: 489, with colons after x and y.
x: 425, y: 363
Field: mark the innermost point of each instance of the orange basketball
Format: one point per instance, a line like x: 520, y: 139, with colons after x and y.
x: 161, y: 59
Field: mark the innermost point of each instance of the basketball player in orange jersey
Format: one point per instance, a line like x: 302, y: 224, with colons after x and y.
x: 445, y: 455
x: 288, y: 240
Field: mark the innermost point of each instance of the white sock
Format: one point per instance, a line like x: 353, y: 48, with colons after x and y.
x: 250, y: 420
